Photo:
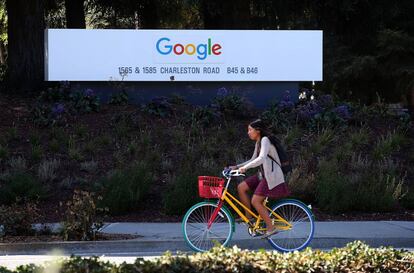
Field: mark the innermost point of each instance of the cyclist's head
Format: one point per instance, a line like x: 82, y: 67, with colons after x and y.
x: 257, y: 129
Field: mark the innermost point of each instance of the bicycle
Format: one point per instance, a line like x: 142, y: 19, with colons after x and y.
x: 208, y: 223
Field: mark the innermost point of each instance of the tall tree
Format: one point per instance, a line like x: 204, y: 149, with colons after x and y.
x: 219, y: 14
x: 75, y: 14
x: 25, y: 59
x: 3, y: 32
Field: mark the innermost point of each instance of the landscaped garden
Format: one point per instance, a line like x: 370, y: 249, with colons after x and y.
x: 67, y: 157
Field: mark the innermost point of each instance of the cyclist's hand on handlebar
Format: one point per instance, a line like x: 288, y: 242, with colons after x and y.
x: 242, y: 170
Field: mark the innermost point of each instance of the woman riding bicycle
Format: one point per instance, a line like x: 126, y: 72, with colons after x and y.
x: 269, y: 181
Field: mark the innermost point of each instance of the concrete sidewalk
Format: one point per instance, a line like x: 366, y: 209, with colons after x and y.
x: 160, y: 237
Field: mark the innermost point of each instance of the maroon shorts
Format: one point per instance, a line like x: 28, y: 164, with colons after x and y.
x: 259, y: 187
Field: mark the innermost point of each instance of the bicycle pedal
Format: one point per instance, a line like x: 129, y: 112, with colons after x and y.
x: 254, y: 233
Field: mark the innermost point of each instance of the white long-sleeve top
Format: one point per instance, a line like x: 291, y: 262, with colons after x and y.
x: 272, y: 171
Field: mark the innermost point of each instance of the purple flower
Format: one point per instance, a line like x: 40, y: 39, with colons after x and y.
x: 309, y: 110
x: 342, y: 111
x: 286, y: 103
x: 325, y: 101
x: 222, y: 92
x: 58, y: 109
x: 89, y: 93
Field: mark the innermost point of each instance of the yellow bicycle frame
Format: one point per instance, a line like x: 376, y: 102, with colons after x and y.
x: 279, y: 222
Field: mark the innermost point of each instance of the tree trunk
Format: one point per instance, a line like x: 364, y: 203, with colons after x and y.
x: 25, y: 54
x: 2, y: 53
x: 75, y: 14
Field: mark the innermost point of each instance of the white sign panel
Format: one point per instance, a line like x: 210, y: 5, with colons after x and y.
x: 183, y: 55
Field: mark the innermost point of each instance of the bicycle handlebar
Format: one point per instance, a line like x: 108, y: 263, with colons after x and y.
x: 229, y: 172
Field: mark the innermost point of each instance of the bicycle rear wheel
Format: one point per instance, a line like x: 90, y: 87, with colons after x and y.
x: 301, y: 230
x: 195, y: 226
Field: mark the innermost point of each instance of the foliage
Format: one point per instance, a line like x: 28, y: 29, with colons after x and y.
x: 17, y: 219
x: 119, y: 98
x: 231, y: 104
x: 82, y: 217
x: 360, y: 185
x: 354, y: 257
x: 20, y: 185
x: 158, y: 106
x: 124, y: 189
x: 55, y: 106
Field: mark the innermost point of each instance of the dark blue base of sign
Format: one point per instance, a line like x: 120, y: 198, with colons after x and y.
x: 260, y: 94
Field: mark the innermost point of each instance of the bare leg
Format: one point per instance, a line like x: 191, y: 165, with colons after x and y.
x: 257, y: 202
x: 242, y: 189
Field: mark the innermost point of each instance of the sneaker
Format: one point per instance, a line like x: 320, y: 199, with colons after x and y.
x: 273, y: 232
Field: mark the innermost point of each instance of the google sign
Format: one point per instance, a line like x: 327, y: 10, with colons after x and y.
x: 183, y: 55
x: 164, y: 47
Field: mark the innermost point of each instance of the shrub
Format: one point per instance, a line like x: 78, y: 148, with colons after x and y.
x: 47, y: 170
x: 359, y: 138
x: 18, y: 164
x: 183, y: 193
x: 232, y: 105
x: 302, y: 181
x: 183, y: 190
x: 85, y: 101
x: 354, y: 257
x: 55, y: 105
x: 3, y: 152
x: 17, y: 219
x: 158, y: 106
x: 54, y: 145
x: 37, y: 152
x: 203, y: 115
x: 280, y: 120
x: 388, y: 144
x: 20, y: 185
x: 82, y: 217
x: 73, y: 151
x: 360, y: 185
x: 124, y: 189
x: 89, y: 166
x: 407, y: 200
x: 120, y: 98
x: 12, y: 133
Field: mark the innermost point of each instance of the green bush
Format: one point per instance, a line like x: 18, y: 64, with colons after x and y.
x: 182, y: 194
x: 3, y: 152
x: 360, y: 185
x: 183, y: 190
x: 17, y: 219
x: 388, y: 144
x: 205, y: 116
x: 354, y: 257
x: 124, y: 189
x: 82, y: 217
x: 20, y: 185
x: 407, y: 200
x: 232, y: 105
x: 37, y: 152
x: 120, y: 98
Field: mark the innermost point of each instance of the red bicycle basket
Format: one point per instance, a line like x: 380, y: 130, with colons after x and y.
x: 210, y: 186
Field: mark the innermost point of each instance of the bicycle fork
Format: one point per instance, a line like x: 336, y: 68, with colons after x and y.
x: 214, y: 215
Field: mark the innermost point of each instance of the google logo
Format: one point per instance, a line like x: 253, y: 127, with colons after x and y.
x: 164, y: 47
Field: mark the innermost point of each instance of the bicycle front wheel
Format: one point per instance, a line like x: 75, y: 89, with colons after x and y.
x: 297, y: 232
x: 195, y: 226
